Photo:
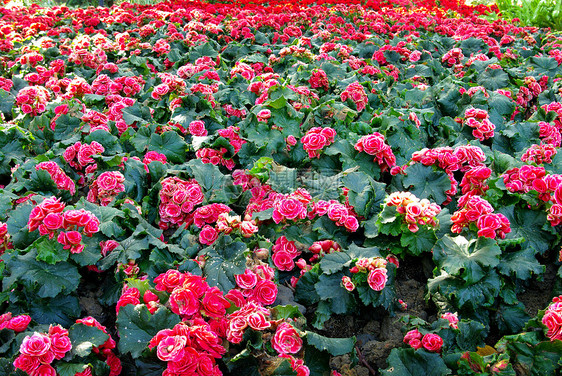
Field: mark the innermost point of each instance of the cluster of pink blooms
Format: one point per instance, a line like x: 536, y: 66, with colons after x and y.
x: 523, y: 179
x: 453, y: 57
x: 79, y: 156
x: 294, y: 207
x: 376, y: 269
x: 17, y: 323
x: 416, y: 212
x: 557, y: 108
x: 261, y: 85
x: 178, y: 198
x: 60, y: 178
x: 206, y: 215
x: 255, y: 285
x: 319, y: 80
x: 284, y: 254
x: 39, y: 350
x: 105, y: 350
x: 430, y: 341
x: 453, y: 319
x: 356, y: 92
x: 549, y: 134
x: 131, y: 295
x: 191, y: 297
x: 532, y: 90
x: 479, y: 121
x: 462, y: 158
x: 197, y: 128
x: 317, y: 139
x: 374, y: 144
x: 5, y: 243
x: 250, y: 315
x: 475, y: 209
x: 216, y: 157
x: 539, y: 154
x: 322, y: 248
x: 474, y: 181
x: 49, y: 218
x: 552, y: 319
x: 106, y: 187
x: 33, y: 100
x: 189, y: 348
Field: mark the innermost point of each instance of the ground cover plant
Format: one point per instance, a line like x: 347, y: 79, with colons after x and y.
x: 205, y: 189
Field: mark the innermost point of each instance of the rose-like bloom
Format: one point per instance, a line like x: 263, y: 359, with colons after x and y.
x: 286, y: 340
x: 283, y: 260
x: 552, y: 319
x: 169, y: 349
x: 60, y: 344
x: 208, y: 235
x: 452, y: 318
x: 52, y: 221
x: 265, y: 292
x: 27, y: 363
x: 258, y: 321
x: 288, y: 208
x: 184, y: 302
x: 351, y: 223
x: 45, y: 370
x: 197, y: 128
x: 36, y: 345
x: 415, y: 343
x: 111, y: 180
x: 19, y: 323
x: 214, y: 304
x: 377, y: 279
x: 412, y: 334
x: 432, y: 342
x: 248, y: 228
x: 114, y: 364
x: 169, y: 280
x: 347, y: 283
x: 247, y: 280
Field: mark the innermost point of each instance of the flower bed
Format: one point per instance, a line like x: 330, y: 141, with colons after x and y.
x: 223, y: 189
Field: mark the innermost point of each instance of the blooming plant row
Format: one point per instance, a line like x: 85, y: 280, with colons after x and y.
x: 206, y: 189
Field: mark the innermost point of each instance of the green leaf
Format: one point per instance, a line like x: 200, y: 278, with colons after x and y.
x: 84, y: 338
x: 285, y: 312
x: 50, y: 251
x: 523, y: 264
x: 544, y: 66
x: 471, y: 334
x: 7, y: 101
x: 526, y: 223
x: 469, y: 259
x: 511, y: 318
x: 171, y: 144
x: 493, y: 79
x: 136, y: 327
x: 424, y: 182
x: 50, y: 279
x: 62, y: 310
x: 419, y: 241
x: 283, y: 369
x: 225, y: 259
x: 329, y: 288
x: 334, y: 346
x: 305, y: 292
x: 69, y: 369
x: 334, y: 262
x: 410, y: 362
